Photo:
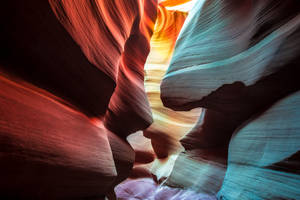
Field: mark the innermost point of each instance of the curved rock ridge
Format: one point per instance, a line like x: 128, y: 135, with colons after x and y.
x: 88, y: 64
x: 115, y: 37
x: 216, y: 125
x: 263, y: 141
x: 102, y: 28
x: 50, y: 151
x: 239, y: 61
x: 91, y: 54
x: 229, y: 42
x: 168, y: 125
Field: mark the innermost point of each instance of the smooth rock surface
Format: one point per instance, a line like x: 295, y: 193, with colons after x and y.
x: 260, y: 143
x: 236, y: 61
x: 207, y: 56
x: 48, y: 150
x: 91, y: 54
x: 115, y: 36
x: 168, y: 126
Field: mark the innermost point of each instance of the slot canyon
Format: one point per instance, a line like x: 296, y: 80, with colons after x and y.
x: 150, y: 100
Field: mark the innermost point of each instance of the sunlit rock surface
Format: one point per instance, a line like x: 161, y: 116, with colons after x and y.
x: 72, y: 91
x: 115, y: 38
x: 92, y: 54
x: 200, y: 170
x: 142, y: 146
x: 168, y: 126
x: 144, y: 155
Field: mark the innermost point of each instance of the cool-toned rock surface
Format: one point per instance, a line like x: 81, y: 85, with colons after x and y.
x: 236, y: 59
x: 48, y: 150
x: 223, y: 42
x: 200, y: 170
x: 267, y: 139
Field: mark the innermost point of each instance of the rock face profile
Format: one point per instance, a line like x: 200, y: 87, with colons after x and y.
x: 256, y: 50
x: 240, y: 61
x: 72, y: 89
x: 150, y: 99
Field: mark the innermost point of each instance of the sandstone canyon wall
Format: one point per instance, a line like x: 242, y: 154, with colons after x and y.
x: 72, y: 89
x: 147, y: 99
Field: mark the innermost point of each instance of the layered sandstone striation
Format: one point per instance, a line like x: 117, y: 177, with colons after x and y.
x: 239, y: 61
x: 72, y: 90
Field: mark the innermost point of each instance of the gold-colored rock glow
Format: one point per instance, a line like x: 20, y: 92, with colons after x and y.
x: 168, y: 126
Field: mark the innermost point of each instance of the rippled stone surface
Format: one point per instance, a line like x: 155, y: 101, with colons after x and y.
x: 48, y: 150
x: 241, y: 65
x: 88, y: 56
x: 223, y: 42
x: 258, y: 164
x: 115, y: 37
x: 92, y: 54
x: 168, y: 126
x: 72, y: 91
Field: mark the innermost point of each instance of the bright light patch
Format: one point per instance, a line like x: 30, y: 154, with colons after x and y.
x: 186, y: 7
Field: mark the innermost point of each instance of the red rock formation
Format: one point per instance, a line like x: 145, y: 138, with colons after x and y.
x: 48, y: 150
x: 38, y: 49
x: 115, y: 38
x: 89, y: 55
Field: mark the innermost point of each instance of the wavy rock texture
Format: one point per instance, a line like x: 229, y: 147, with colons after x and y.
x: 168, y: 126
x: 90, y: 56
x: 260, y: 169
x: 115, y: 37
x: 63, y: 127
x: 256, y: 50
x: 48, y: 150
x: 236, y: 59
